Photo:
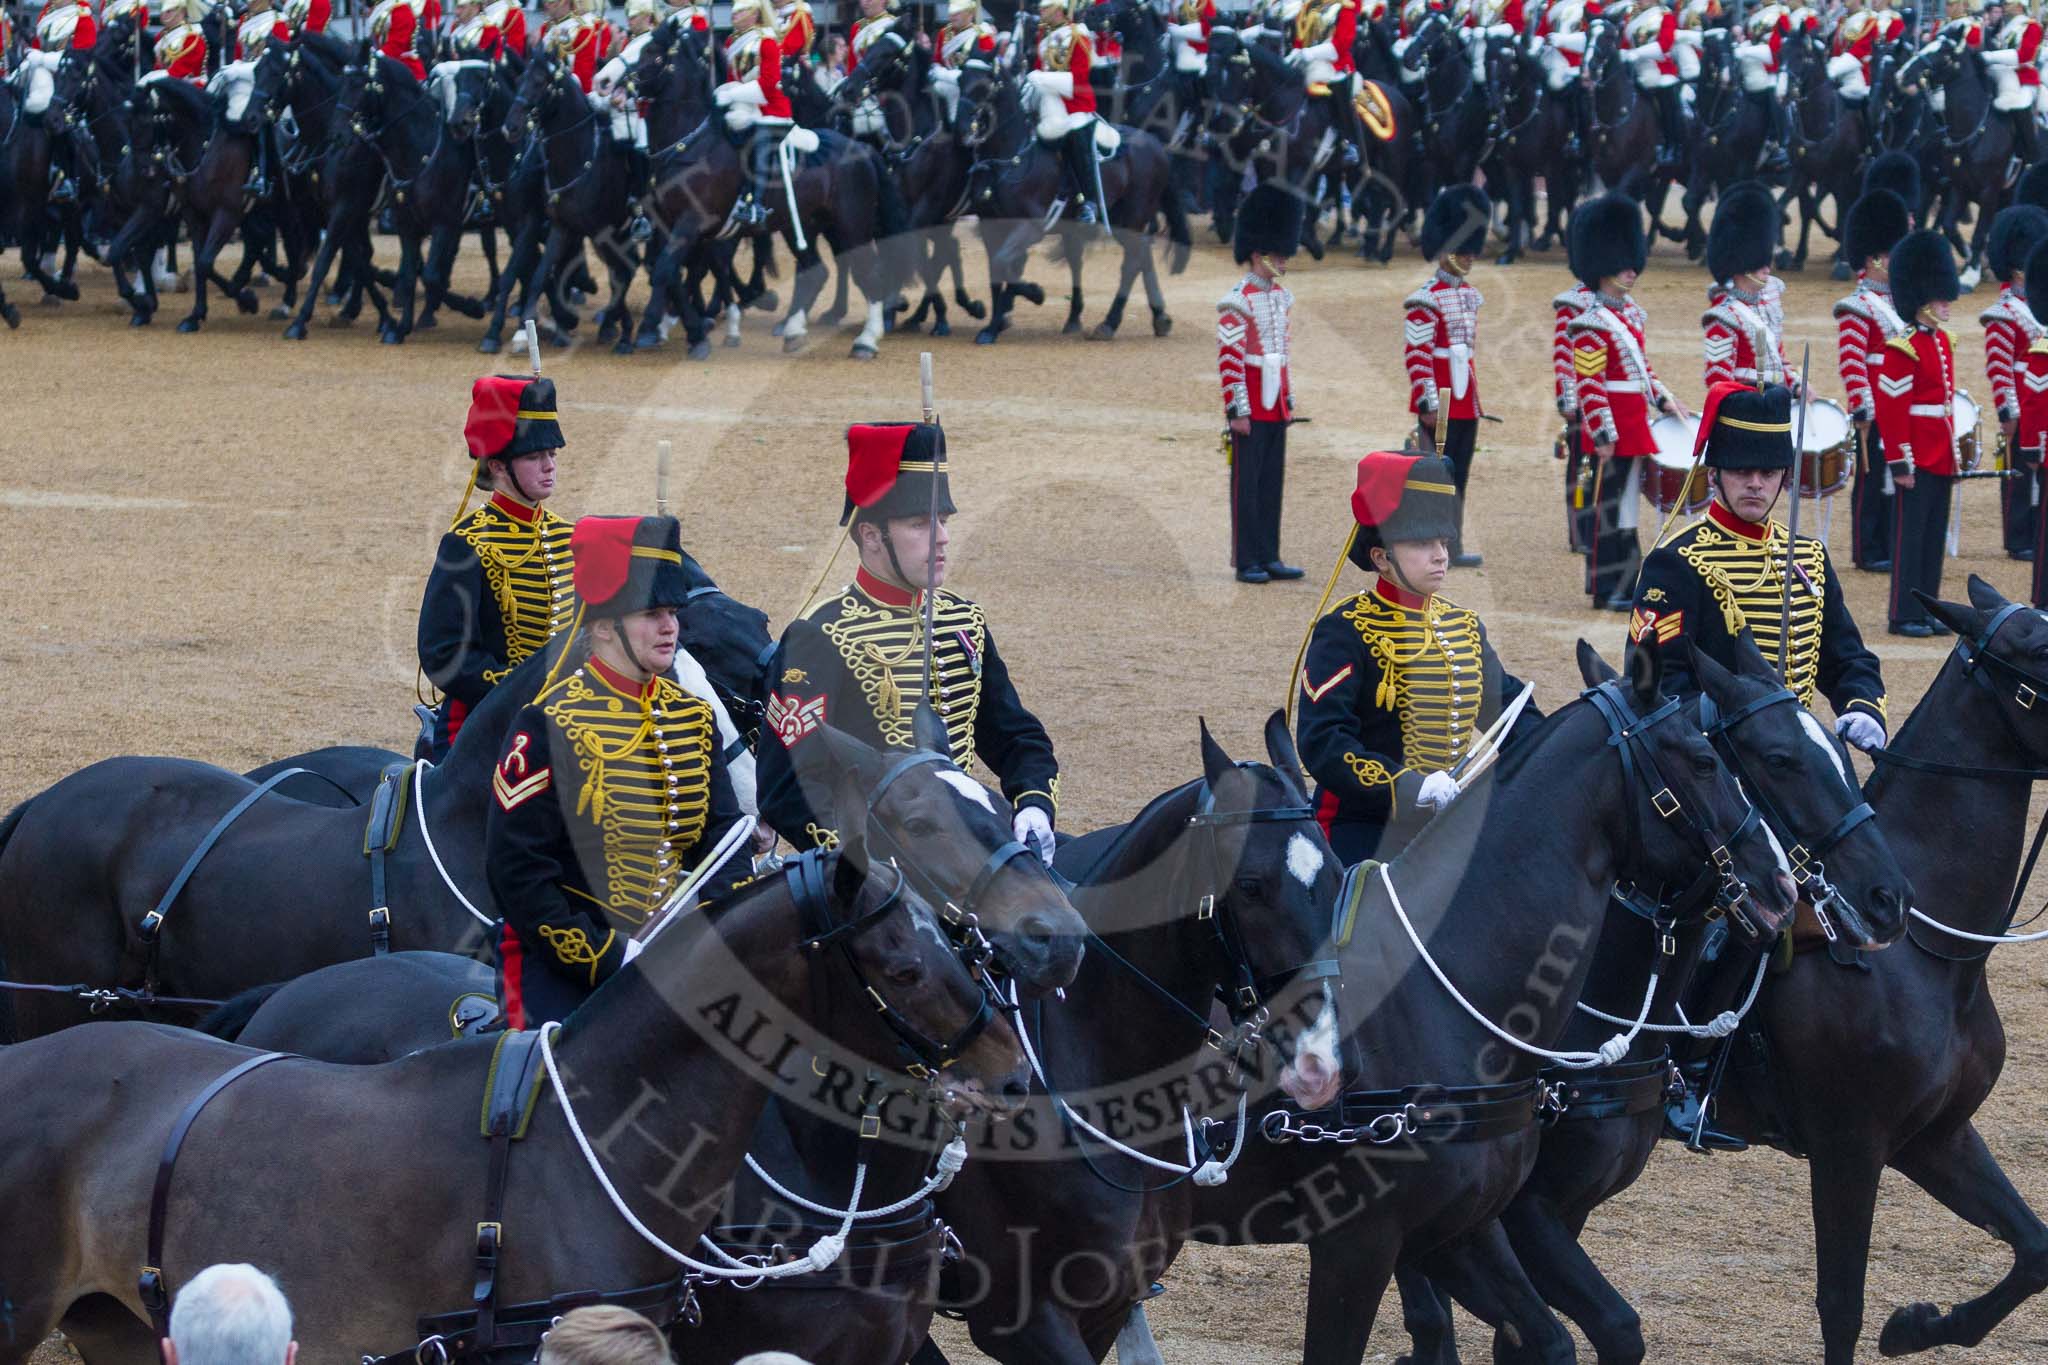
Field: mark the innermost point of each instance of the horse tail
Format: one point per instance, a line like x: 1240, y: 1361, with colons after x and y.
x: 1176, y: 229
x: 894, y: 247
x: 228, y: 1020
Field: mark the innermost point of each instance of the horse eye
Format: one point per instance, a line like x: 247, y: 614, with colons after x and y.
x: 1704, y: 767
x: 1255, y: 887
x: 921, y: 826
x: 1778, y: 759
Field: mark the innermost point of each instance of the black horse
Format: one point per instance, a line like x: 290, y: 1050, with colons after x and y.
x: 1728, y: 135
x: 132, y: 187
x: 1975, y: 144
x: 1017, y: 178
x: 1435, y: 1162
x: 1453, y: 119
x: 1828, y: 144
x: 1387, y: 194
x: 30, y: 144
x: 1534, y: 128
x: 1261, y: 112
x: 1612, y: 1117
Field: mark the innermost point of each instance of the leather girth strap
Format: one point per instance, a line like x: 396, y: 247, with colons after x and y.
x: 152, y: 1284
x: 511, y: 1090
x: 380, y: 836
x: 140, y: 956
x: 1625, y: 1090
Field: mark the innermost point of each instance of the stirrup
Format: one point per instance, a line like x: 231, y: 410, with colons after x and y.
x: 640, y: 230
x: 63, y: 189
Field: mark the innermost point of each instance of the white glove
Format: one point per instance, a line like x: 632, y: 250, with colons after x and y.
x: 633, y: 948
x: 1438, y: 791
x: 1861, y: 730
x: 1034, y: 830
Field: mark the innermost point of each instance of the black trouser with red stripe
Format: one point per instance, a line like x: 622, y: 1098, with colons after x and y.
x: 1919, y: 540
x: 1616, y: 554
x: 1258, y: 474
x: 1870, y: 537
x: 1461, y: 440
x: 2016, y: 504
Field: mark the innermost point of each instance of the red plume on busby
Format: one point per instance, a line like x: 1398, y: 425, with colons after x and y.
x: 2013, y: 234
x: 1744, y: 234
x: 1923, y: 270
x: 1606, y: 239
x: 628, y: 564
x: 1401, y: 496
x: 511, y: 415
x: 889, y: 470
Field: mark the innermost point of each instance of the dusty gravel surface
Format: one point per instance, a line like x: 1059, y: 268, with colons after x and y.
x: 215, y: 547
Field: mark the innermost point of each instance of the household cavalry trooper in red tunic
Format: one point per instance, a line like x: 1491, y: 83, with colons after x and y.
x: 1864, y: 322
x: 1324, y: 32
x: 1066, y: 105
x: 1617, y: 389
x: 1699, y: 591
x: 755, y: 104
x: 2012, y: 58
x: 1916, y: 391
x: 856, y: 661
x: 1440, y: 334
x: 1745, y: 325
x: 60, y: 26
x: 2010, y: 327
x: 966, y: 38
x: 1396, y: 682
x: 1254, y: 334
x: 611, y: 788
x: 1189, y: 24
x: 2031, y: 436
x: 501, y: 584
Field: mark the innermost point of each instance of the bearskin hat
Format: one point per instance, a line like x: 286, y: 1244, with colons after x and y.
x: 2013, y: 234
x: 2037, y: 259
x: 1268, y: 223
x: 1874, y: 226
x: 1923, y: 270
x: 1606, y: 239
x: 1456, y: 223
x: 1897, y: 172
x: 1744, y: 234
x: 2033, y: 186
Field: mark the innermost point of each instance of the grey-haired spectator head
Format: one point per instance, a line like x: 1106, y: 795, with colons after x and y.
x: 604, y: 1334
x: 231, y: 1315
x: 771, y: 1358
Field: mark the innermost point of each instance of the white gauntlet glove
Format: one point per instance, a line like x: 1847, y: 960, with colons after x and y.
x: 1438, y: 791
x: 1034, y: 830
x: 1861, y: 730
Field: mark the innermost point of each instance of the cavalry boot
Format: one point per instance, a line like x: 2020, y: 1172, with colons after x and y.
x: 1772, y: 158
x: 1079, y: 150
x: 1671, y: 121
x: 257, y: 186
x: 639, y: 228
x: 1686, y: 1114
x: 750, y: 211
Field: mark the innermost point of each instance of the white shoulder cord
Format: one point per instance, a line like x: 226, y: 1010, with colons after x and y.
x: 821, y: 1256
x: 1720, y: 1026
x: 1209, y: 1172
x: 1933, y: 923
x: 419, y: 796
x: 1611, y: 1051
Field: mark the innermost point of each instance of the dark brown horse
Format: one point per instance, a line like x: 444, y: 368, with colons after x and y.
x: 663, y: 1073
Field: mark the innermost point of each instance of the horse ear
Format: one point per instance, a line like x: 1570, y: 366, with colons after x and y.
x: 1215, y: 762
x: 1966, y: 622
x: 1984, y: 597
x: 1749, y: 659
x: 1646, y: 673
x: 929, y: 732
x: 1716, y: 681
x: 1281, y: 751
x: 1593, y: 669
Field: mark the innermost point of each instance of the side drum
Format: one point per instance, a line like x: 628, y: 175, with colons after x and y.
x: 1827, y: 450
x: 1969, y: 423
x: 1670, y: 475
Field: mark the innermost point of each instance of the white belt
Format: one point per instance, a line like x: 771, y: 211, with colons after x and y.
x: 1931, y: 410
x: 1272, y: 369
x: 1874, y: 355
x: 1624, y: 386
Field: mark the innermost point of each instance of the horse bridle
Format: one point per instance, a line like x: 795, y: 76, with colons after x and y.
x: 1808, y: 860
x: 1717, y: 880
x: 808, y: 888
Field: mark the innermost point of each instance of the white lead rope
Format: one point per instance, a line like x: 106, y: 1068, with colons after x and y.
x: 1720, y: 1026
x: 1933, y: 923
x: 1610, y: 1052
x: 1211, y: 1172
x: 419, y: 796
x: 821, y: 1256
x: 951, y: 1159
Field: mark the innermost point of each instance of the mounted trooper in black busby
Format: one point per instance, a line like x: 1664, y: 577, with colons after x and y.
x: 611, y: 787
x: 1396, y: 683
x: 1721, y: 576
x: 501, y: 582
x: 856, y: 661
x: 1254, y: 331
x: 1865, y: 322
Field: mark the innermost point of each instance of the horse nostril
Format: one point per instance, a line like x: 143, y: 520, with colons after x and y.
x: 1036, y: 930
x: 1016, y: 1091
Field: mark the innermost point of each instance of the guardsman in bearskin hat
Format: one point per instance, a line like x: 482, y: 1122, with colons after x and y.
x: 2030, y: 437
x: 1722, y: 574
x: 1916, y: 392
x: 1254, y: 335
x: 611, y: 787
x: 1440, y: 335
x: 1864, y: 322
x: 1617, y: 390
x: 1568, y: 447
x: 501, y: 584
x: 1745, y: 341
x: 856, y: 662
x: 2010, y: 327
x: 1396, y: 682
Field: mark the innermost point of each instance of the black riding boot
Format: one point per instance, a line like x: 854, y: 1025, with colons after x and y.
x: 1578, y: 105
x: 1724, y: 975
x: 257, y: 186
x: 1773, y: 159
x: 2026, y: 136
x: 1077, y: 149
x: 1671, y: 122
x: 64, y: 162
x: 1350, y: 127
x: 637, y: 189
x: 752, y: 209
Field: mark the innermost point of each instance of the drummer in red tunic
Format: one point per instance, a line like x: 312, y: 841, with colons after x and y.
x: 2009, y: 329
x: 1916, y: 394
x: 2030, y: 435
x: 1744, y: 328
x: 1439, y: 335
x: 1617, y: 389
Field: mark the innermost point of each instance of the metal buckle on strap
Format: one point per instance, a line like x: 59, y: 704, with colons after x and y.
x: 1664, y: 803
x: 870, y: 1126
x: 152, y: 924
x: 2025, y: 696
x: 1205, y: 908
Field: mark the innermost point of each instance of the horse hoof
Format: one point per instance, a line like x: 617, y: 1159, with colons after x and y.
x: 700, y: 350
x: 985, y: 337
x: 280, y: 313
x: 559, y: 339
x: 10, y: 315
x: 1841, y: 271
x: 1505, y: 258
x: 488, y: 346
x: 912, y: 326
x: 1909, y: 1329
x: 426, y: 324
x: 976, y: 310
x: 1786, y: 261
x: 624, y: 346
x: 63, y: 289
x: 606, y: 333
x: 295, y: 332
x: 138, y: 318
x: 767, y: 302
x: 942, y: 329
x: 776, y: 330
x: 792, y: 345
x: 1072, y: 326
x: 1102, y: 332
x: 733, y: 343
x: 862, y: 351
x: 246, y: 301
x: 1032, y: 294
x: 188, y: 325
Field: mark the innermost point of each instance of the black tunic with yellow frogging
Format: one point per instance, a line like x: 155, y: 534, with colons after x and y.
x: 1723, y: 573
x: 606, y: 796
x: 856, y: 663
x: 1393, y: 688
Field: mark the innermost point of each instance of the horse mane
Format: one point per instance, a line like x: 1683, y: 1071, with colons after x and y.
x: 327, y: 48
x: 191, y: 103
x: 1513, y: 760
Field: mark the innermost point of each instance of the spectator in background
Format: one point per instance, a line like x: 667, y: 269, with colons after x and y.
x: 832, y: 69
x: 604, y: 1335
x: 771, y: 1358
x: 231, y: 1315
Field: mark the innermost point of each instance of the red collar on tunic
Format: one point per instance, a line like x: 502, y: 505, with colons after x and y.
x: 888, y: 594
x: 619, y: 682
x: 1735, y: 525
x: 1393, y: 594
x: 515, y: 509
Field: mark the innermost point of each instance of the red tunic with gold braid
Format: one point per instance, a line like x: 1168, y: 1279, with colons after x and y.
x: 84, y: 30
x: 1441, y: 315
x: 1916, y: 391
x: 181, y: 52
x: 509, y: 18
